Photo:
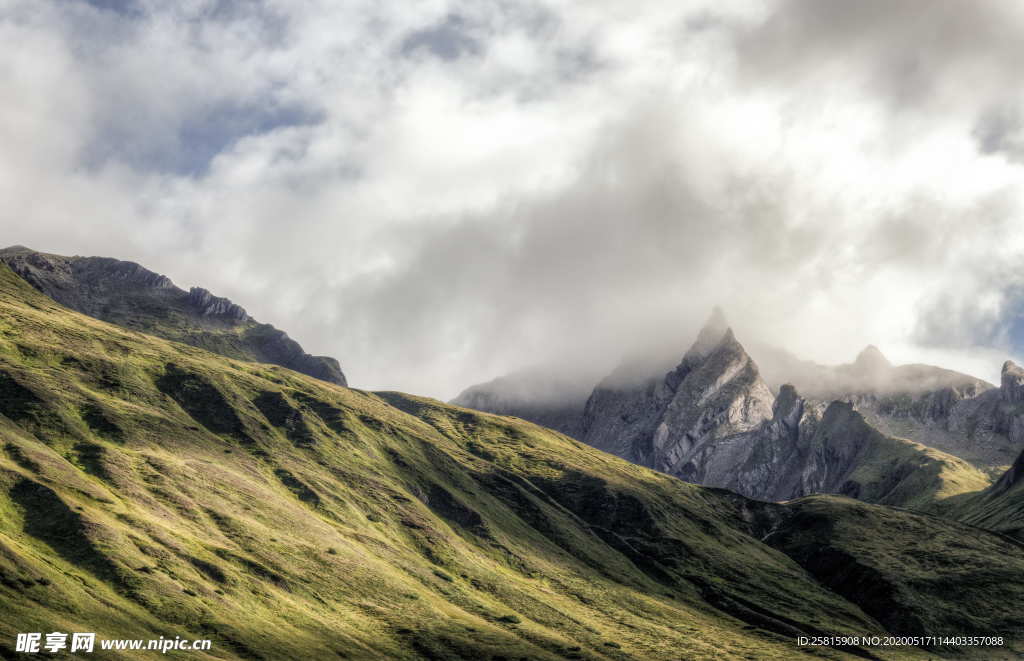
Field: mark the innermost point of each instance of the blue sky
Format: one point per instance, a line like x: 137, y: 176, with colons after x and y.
x: 438, y: 192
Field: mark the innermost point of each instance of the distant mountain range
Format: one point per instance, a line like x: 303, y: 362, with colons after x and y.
x: 910, y: 435
x: 154, y: 486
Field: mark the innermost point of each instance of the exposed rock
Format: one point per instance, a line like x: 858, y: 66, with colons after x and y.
x: 209, y: 305
x: 952, y: 412
x: 712, y: 420
x: 718, y: 394
x: 1013, y: 477
x: 1012, y: 383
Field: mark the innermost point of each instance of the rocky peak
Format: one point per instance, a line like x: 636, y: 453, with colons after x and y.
x: 714, y: 329
x: 870, y: 361
x: 711, y: 336
x: 717, y: 395
x: 209, y: 305
x: 788, y: 407
x: 1012, y: 384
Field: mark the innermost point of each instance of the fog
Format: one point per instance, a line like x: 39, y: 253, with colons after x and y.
x: 440, y: 193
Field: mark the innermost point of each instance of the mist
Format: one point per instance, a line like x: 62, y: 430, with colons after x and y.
x: 446, y: 192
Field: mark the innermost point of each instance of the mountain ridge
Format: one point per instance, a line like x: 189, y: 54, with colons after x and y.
x: 179, y: 488
x: 132, y: 296
x: 150, y: 488
x: 713, y: 420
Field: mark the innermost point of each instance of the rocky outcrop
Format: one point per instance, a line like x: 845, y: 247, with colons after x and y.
x: 953, y: 412
x: 762, y: 462
x: 660, y: 420
x: 208, y: 305
x: 129, y: 295
x: 713, y: 421
x: 1011, y: 479
x: 719, y: 394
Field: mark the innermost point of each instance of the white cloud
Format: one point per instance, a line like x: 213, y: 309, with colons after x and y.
x: 443, y: 191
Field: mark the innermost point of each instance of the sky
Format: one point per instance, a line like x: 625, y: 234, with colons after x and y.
x: 439, y: 192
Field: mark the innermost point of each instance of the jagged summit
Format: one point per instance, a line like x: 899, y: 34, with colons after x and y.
x: 713, y: 392
x: 714, y: 329
x: 717, y: 320
x: 787, y: 403
x: 713, y: 419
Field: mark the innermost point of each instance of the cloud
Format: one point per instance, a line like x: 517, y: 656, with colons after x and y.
x: 443, y: 193
x: 447, y: 40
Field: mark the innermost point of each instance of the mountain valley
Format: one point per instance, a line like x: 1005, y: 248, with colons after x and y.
x: 150, y: 487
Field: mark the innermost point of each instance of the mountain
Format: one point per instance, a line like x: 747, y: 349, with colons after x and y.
x: 131, y: 296
x: 714, y: 392
x: 714, y: 420
x: 946, y: 410
x: 550, y: 398
x: 151, y: 488
x: 1001, y: 506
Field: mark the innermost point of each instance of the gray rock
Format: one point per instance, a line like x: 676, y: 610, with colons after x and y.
x: 712, y: 419
x: 1012, y: 383
x: 670, y: 420
x: 208, y: 305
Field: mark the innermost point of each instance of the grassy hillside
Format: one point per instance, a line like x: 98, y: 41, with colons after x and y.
x: 149, y: 488
x: 938, y: 578
x: 999, y: 508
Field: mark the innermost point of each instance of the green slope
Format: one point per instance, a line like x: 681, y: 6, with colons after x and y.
x: 999, y: 508
x: 149, y: 488
x: 940, y: 577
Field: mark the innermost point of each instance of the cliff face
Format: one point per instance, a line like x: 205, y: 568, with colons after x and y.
x: 661, y: 422
x: 1001, y: 506
x: 713, y: 420
x: 131, y: 296
x: 943, y: 409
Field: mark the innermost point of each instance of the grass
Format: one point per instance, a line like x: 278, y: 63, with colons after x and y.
x: 150, y: 488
